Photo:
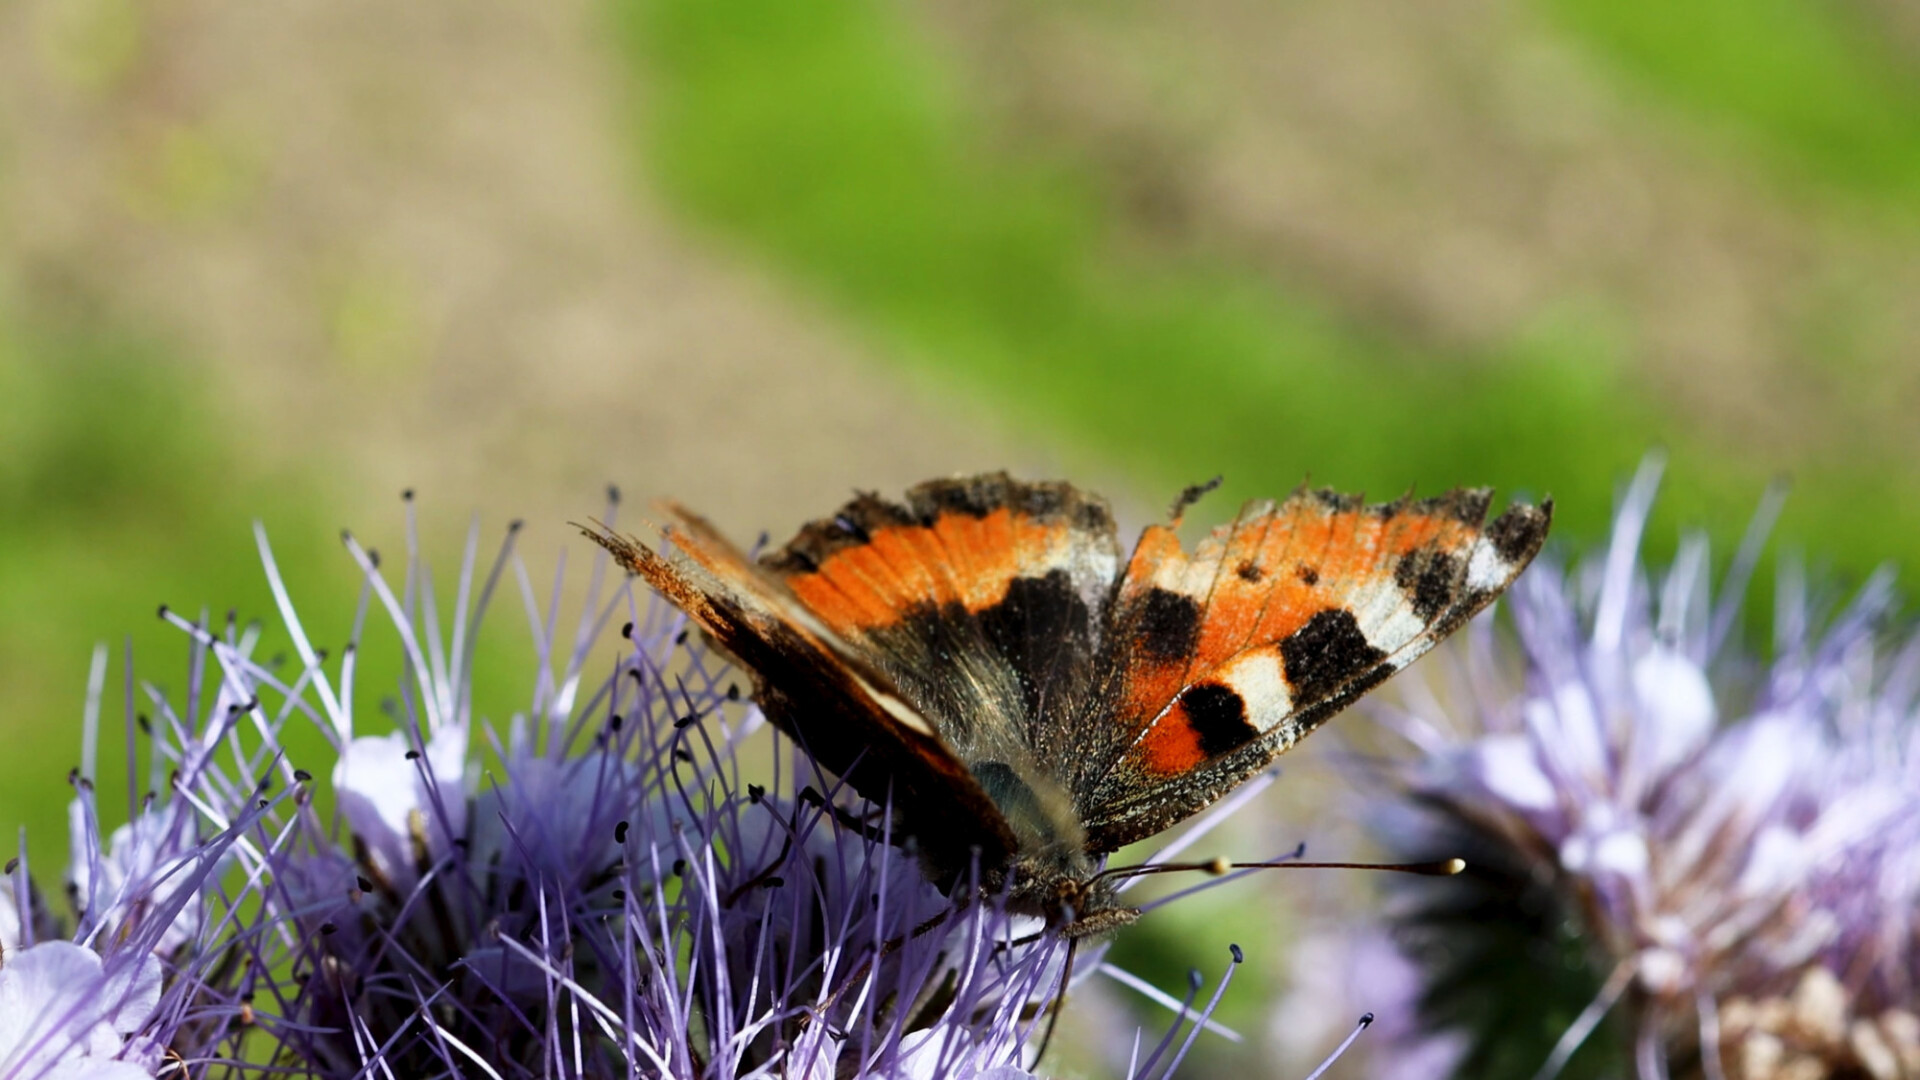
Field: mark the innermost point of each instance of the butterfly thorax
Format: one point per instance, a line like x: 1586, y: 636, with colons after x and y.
x: 1051, y: 875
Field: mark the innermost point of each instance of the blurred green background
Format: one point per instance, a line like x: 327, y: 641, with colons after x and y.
x: 281, y: 263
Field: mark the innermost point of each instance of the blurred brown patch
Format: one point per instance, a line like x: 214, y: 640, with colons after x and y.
x: 408, y: 241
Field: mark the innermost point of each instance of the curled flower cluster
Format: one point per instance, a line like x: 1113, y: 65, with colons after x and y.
x: 1714, y: 860
x: 617, y: 883
x: 620, y: 901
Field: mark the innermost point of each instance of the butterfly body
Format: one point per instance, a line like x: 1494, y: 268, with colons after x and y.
x: 983, y: 659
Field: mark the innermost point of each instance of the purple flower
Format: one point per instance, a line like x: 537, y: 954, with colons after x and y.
x: 65, y: 1015
x: 641, y: 880
x: 150, y: 965
x: 1341, y: 973
x: 1730, y: 848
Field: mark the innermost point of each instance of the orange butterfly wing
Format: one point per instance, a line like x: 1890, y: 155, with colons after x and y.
x: 1272, y: 624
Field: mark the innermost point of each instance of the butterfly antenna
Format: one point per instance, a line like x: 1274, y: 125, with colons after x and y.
x: 1189, y: 495
x: 1219, y: 866
x: 1365, y: 1022
x: 1059, y: 1001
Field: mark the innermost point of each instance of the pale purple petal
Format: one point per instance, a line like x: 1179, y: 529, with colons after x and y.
x: 58, y: 1003
x: 10, y: 926
x: 1678, y: 707
x: 385, y: 797
x: 1507, y: 766
x: 146, y: 861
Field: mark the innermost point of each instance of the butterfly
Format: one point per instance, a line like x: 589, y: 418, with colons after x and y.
x: 980, y: 657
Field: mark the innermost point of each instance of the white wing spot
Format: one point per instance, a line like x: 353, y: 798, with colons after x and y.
x: 1257, y: 677
x: 1398, y: 627
x: 1486, y: 569
x: 898, y: 709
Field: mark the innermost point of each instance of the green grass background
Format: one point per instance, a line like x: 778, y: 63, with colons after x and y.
x: 828, y: 140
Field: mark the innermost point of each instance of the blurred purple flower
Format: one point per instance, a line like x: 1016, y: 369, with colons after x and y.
x: 1339, y: 974
x: 612, y: 896
x: 1731, y: 848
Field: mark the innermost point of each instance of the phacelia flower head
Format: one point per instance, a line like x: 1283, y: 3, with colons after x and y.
x: 628, y: 876
x: 147, y: 970
x: 1731, y: 848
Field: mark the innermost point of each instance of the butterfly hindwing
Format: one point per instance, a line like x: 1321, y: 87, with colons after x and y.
x: 1272, y: 624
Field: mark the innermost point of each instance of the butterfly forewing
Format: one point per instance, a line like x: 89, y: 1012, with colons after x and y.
x: 1271, y: 625
x: 979, y: 598
x: 845, y: 712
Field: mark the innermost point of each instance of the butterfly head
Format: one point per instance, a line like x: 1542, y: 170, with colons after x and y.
x: 1070, y: 893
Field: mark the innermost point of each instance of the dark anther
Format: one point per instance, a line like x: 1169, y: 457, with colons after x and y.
x: 687, y: 720
x: 680, y: 638
x: 1195, y: 979
x: 265, y: 785
x: 143, y: 723
x: 13, y: 864
x: 620, y: 895
x: 163, y: 611
x: 328, y: 928
x: 755, y: 793
x: 620, y: 833
x: 637, y: 676
x: 1238, y: 956
x: 365, y: 885
x: 627, y: 631
x: 613, y: 494
x: 407, y: 494
x: 413, y: 755
x: 302, y: 776
x: 515, y: 526
x: 681, y: 753
x: 615, y: 722
x: 774, y: 882
x: 680, y: 868
x: 733, y: 691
